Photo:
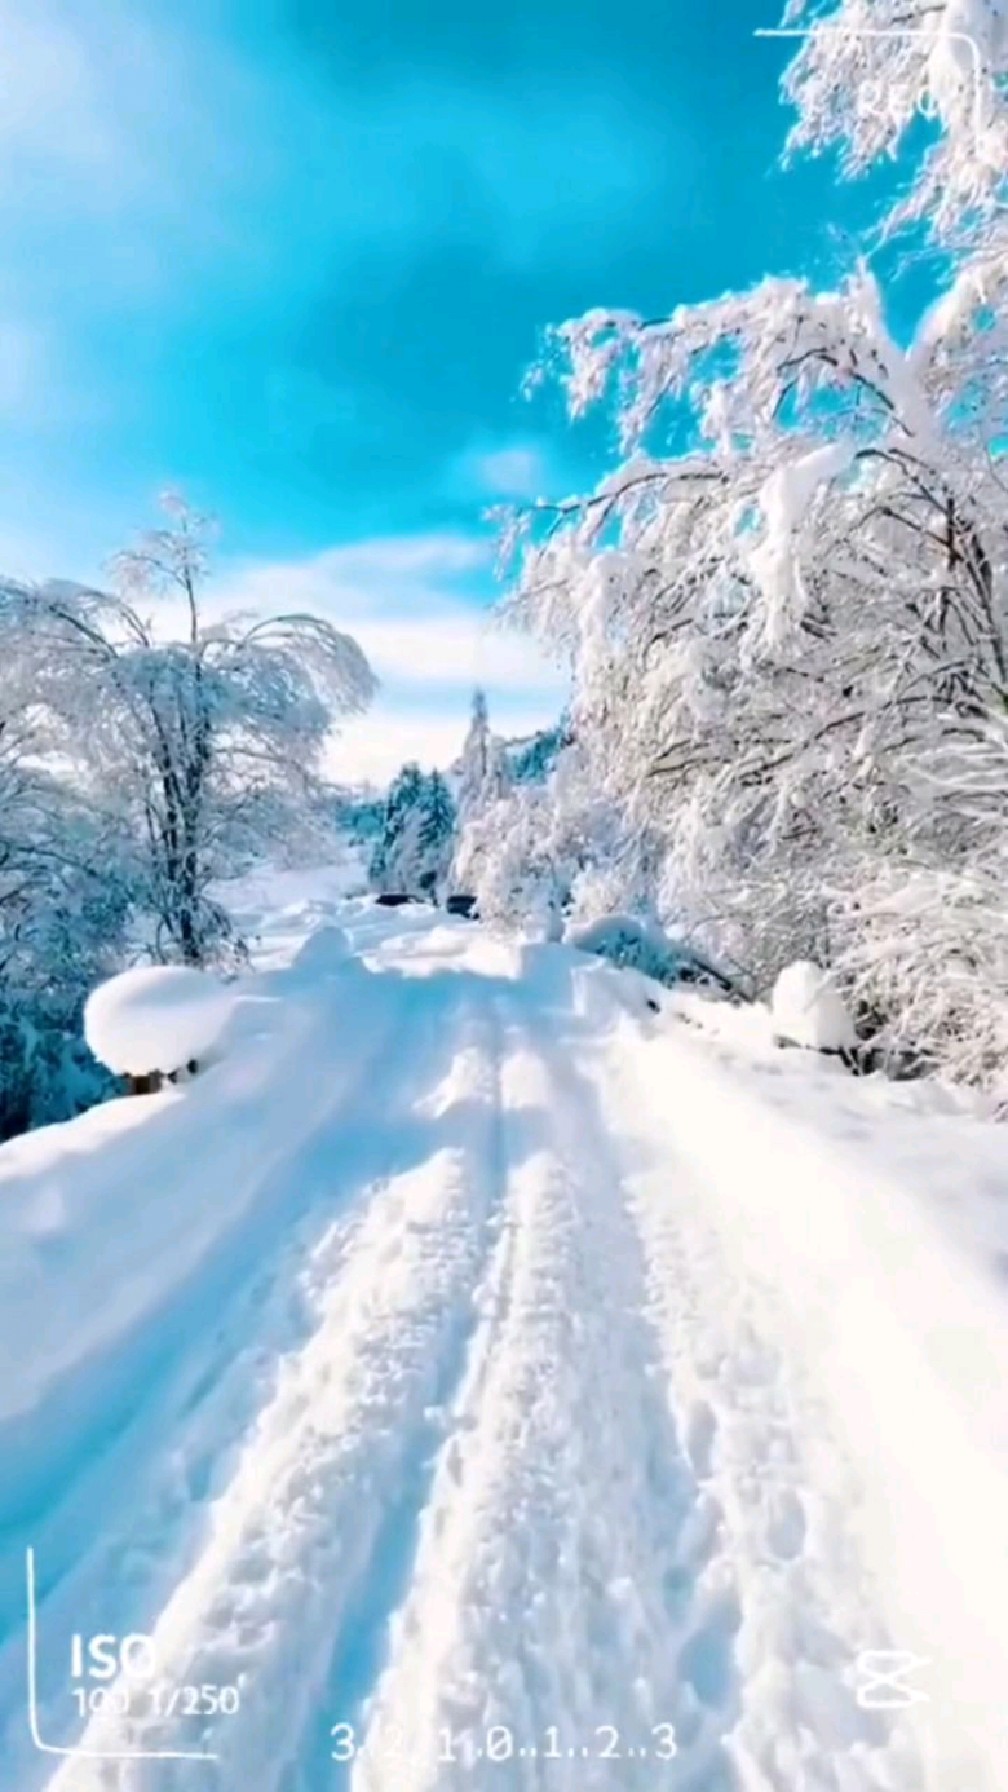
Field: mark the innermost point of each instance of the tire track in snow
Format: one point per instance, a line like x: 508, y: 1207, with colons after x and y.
x: 292, y: 1540
x: 362, y: 1643
x: 562, y: 1501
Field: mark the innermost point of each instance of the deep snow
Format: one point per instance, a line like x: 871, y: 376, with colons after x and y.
x: 474, y: 1350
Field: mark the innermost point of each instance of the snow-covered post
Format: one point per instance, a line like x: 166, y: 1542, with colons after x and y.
x: 154, y: 1021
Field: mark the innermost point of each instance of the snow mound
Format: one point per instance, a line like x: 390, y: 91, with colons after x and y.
x: 155, y: 1018
x: 327, y: 949
x: 634, y: 942
x: 808, y: 1011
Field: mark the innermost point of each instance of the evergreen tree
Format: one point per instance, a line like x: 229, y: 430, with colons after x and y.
x: 414, y: 851
x: 388, y: 861
x: 436, y: 834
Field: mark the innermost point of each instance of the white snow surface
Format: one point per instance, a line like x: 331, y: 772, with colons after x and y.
x: 520, y: 1378
x: 808, y: 1011
x: 156, y: 1017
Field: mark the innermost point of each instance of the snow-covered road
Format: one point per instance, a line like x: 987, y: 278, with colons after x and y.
x: 461, y: 1408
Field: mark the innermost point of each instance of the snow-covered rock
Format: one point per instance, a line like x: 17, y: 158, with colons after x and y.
x: 156, y: 1017
x: 808, y: 1011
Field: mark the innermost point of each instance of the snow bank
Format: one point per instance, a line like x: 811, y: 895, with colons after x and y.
x: 156, y: 1017
x: 858, y: 1230
x: 808, y: 1011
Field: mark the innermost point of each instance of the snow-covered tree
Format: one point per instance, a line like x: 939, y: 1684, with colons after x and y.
x: 483, y: 781
x: 475, y: 758
x: 540, y: 849
x: 414, y: 850
x: 394, y: 851
x: 435, y: 835
x: 508, y: 858
x: 868, y: 69
x: 788, y: 637
x: 202, y: 736
x: 62, y: 904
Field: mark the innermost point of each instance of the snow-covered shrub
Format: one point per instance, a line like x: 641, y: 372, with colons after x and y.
x: 156, y: 1018
x: 63, y: 904
x: 923, y: 956
x: 641, y: 945
x: 807, y: 1010
x: 47, y: 1072
x: 512, y: 857
x: 533, y: 853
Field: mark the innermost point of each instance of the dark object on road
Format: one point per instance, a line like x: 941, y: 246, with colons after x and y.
x: 462, y: 905
x: 394, y: 899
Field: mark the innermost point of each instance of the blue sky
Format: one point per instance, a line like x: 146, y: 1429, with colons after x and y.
x: 294, y: 256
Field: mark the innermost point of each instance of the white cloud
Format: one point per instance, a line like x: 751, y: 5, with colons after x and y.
x: 519, y: 470
x: 382, y: 573
x: 405, y: 600
x: 372, y: 748
x: 462, y: 647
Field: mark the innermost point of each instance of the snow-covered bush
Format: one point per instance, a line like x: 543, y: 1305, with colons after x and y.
x: 544, y: 850
x: 505, y: 857
x: 641, y: 945
x: 156, y: 1018
x: 807, y: 1010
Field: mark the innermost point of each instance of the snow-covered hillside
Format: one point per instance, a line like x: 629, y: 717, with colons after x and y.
x: 477, y: 1379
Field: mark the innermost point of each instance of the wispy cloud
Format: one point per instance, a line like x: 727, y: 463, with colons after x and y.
x: 513, y: 470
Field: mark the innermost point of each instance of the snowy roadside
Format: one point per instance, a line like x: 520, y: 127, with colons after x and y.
x: 876, y: 1226
x: 936, y: 1143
